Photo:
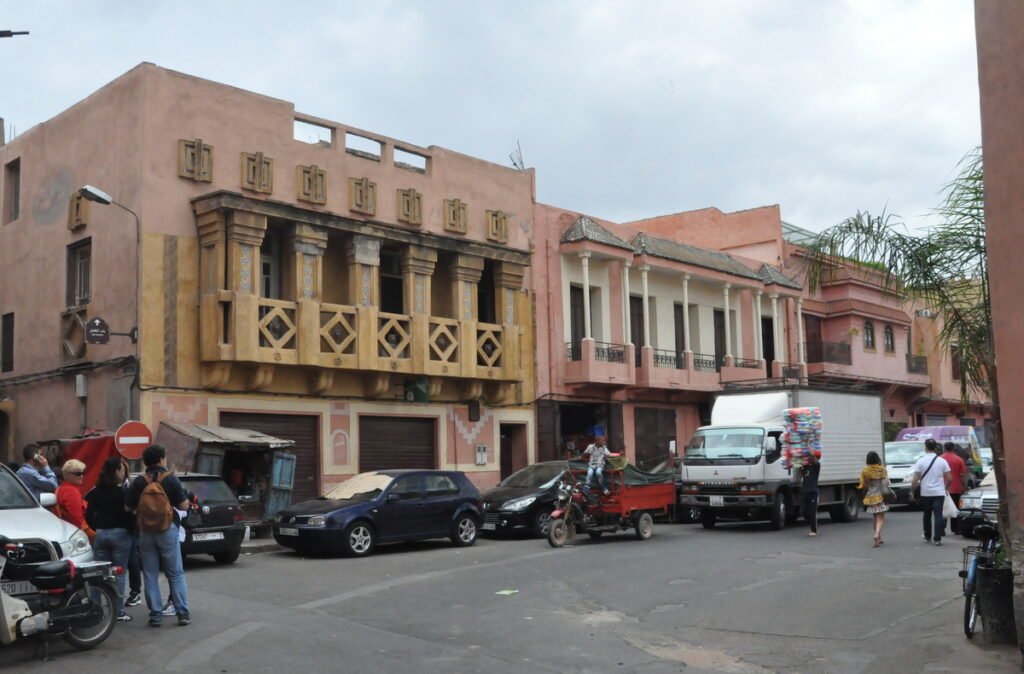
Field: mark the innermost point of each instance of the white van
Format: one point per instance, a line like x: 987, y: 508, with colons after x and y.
x: 46, y: 537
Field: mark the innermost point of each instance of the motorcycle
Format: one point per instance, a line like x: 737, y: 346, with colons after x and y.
x: 75, y: 601
x: 578, y: 508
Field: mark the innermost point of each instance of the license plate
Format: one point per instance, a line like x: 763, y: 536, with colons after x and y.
x: 717, y: 501
x: 18, y: 587
x: 288, y: 531
x: 212, y: 536
x: 489, y: 526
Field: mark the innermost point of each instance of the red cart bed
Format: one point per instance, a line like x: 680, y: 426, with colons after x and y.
x: 627, y: 499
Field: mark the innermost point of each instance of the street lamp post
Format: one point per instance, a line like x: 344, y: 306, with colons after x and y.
x: 96, y: 195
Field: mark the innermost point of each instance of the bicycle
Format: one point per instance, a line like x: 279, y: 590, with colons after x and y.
x: 976, y: 556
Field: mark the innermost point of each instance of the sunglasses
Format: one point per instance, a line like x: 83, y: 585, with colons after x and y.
x: 79, y: 473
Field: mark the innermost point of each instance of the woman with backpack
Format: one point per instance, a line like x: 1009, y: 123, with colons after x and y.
x: 113, y: 524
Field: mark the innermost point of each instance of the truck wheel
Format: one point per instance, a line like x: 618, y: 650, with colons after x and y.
x: 708, y: 518
x: 848, y: 510
x: 779, y: 512
x: 644, y: 527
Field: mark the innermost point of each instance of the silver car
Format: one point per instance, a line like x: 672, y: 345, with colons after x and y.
x: 979, y: 505
x: 900, y: 458
x: 46, y: 537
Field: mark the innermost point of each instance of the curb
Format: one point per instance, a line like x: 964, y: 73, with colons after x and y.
x: 254, y: 547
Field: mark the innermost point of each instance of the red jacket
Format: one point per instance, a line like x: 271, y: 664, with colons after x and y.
x: 71, y: 507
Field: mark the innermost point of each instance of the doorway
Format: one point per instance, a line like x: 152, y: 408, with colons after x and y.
x: 719, y: 339
x: 576, y: 317
x: 768, y: 343
x: 514, y: 448
x: 636, y: 324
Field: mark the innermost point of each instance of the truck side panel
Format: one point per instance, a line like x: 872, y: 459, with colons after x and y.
x: 852, y: 427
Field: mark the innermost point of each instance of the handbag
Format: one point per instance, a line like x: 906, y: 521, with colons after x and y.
x: 888, y: 495
x: 916, y: 494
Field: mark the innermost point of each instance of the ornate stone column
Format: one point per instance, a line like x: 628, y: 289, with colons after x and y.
x: 417, y: 267
x: 465, y: 273
x: 245, y: 233
x: 305, y: 247
x: 363, y: 256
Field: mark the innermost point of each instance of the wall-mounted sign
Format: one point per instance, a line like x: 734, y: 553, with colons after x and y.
x: 97, y: 331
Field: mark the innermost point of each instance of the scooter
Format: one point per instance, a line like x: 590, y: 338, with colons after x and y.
x: 75, y: 601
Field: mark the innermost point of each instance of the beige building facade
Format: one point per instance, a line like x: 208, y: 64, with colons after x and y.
x: 363, y: 296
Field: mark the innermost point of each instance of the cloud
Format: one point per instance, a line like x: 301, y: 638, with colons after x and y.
x: 626, y: 110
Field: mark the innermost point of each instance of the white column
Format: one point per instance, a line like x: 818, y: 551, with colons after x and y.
x: 686, y: 313
x: 728, y: 327
x: 758, y: 344
x: 628, y: 337
x: 647, y: 321
x: 585, y: 262
x: 800, y: 329
x: 775, y: 325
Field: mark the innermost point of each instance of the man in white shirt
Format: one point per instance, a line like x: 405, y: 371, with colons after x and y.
x: 932, y: 473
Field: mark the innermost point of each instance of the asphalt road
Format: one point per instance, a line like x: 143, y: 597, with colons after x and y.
x: 737, y: 599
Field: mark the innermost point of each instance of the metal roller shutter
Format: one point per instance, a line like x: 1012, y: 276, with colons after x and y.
x: 303, y: 429
x: 388, y: 442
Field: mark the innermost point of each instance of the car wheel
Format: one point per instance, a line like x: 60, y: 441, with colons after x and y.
x: 359, y: 539
x: 644, y: 526
x: 595, y: 534
x: 464, y: 531
x: 542, y: 523
x: 227, y: 556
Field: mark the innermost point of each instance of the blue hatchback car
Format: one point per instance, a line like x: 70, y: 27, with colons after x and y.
x: 386, y: 506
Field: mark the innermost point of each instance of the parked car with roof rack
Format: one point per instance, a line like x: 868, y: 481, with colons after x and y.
x: 385, y: 506
x: 45, y: 536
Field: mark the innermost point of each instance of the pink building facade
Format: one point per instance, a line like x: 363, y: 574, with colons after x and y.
x: 638, y: 327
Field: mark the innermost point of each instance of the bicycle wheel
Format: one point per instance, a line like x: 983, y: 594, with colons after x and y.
x: 970, y: 614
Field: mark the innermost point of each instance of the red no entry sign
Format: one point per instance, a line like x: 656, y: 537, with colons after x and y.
x: 132, y: 438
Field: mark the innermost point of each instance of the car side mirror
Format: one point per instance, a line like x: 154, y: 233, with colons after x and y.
x: 391, y: 498
x: 47, y: 500
x: 772, y: 452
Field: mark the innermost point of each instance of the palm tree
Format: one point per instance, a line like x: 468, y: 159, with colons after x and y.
x: 945, y: 269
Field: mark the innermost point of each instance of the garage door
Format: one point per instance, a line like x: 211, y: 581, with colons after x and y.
x: 388, y: 442
x: 303, y: 429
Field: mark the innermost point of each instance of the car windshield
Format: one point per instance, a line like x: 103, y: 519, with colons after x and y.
x: 539, y: 476
x: 725, y: 443
x: 362, y: 487
x: 209, y: 490
x: 903, y: 452
x: 13, y: 494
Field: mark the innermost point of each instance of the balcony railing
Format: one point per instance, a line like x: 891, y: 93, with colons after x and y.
x: 790, y: 371
x: 917, y: 364
x: 668, y: 359
x: 574, y: 351
x: 829, y: 352
x: 747, y: 363
x: 702, y: 362
x: 609, y: 353
x: 251, y: 329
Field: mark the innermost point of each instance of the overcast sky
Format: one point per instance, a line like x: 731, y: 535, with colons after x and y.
x: 626, y: 109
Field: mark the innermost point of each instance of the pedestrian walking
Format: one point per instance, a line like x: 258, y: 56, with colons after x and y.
x: 932, y: 477
x: 70, y: 503
x: 153, y: 496
x: 874, y: 480
x: 36, y: 473
x: 957, y: 482
x: 106, y: 514
x: 809, y: 473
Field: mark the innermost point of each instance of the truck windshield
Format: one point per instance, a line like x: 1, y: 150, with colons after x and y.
x: 725, y: 443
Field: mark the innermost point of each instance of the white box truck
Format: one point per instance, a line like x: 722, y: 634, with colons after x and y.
x: 733, y: 469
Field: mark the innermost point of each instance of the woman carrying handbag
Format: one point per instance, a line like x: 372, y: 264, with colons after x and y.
x: 874, y: 480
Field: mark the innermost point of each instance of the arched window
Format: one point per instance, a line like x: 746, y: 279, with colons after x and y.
x: 869, y: 335
x: 890, y: 340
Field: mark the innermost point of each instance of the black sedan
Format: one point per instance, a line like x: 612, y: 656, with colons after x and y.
x: 524, y: 499
x: 221, y: 527
x: 387, y: 506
